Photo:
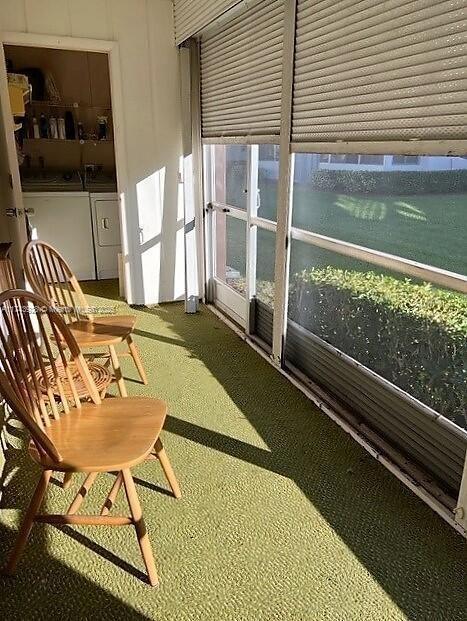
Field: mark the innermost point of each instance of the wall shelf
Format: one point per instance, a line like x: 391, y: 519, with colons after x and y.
x: 67, y: 140
x: 64, y: 104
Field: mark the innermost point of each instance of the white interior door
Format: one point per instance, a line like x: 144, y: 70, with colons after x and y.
x: 12, y: 219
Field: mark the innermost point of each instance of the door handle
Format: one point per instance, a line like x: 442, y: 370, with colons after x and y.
x: 105, y: 223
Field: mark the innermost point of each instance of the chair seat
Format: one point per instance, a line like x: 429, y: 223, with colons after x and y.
x: 115, y: 435
x: 102, y: 330
x: 100, y: 374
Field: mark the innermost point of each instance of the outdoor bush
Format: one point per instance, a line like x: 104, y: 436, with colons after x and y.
x: 412, y: 334
x: 396, y: 182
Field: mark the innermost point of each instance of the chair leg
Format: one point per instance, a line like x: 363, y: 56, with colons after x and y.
x: 117, y: 371
x: 67, y: 478
x: 140, y: 527
x: 167, y: 468
x: 136, y: 358
x: 111, y: 498
x: 82, y: 493
x: 28, y: 520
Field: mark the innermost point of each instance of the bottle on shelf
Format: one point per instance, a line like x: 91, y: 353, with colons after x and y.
x: 70, y: 133
x: 61, y: 128
x: 53, y: 127
x: 80, y: 131
x: 102, y: 127
x: 43, y: 126
x: 35, y: 128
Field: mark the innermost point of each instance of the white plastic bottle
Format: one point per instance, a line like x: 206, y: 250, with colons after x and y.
x: 61, y: 128
x: 35, y: 128
x: 53, y: 127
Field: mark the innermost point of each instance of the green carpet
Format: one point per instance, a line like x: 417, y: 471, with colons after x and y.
x: 283, y: 517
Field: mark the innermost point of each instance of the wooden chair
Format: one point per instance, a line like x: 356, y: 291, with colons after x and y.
x: 7, y: 276
x: 100, y: 373
x: 66, y: 434
x: 51, y: 277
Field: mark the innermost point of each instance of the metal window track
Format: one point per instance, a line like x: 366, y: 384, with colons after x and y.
x: 408, y: 473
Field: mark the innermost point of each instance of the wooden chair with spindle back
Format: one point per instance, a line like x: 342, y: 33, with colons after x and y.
x: 66, y: 434
x: 51, y: 277
x: 101, y: 376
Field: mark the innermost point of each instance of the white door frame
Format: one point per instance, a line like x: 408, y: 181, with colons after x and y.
x: 111, y: 48
x: 16, y: 224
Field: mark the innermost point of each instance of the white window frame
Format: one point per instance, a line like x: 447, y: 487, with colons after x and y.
x: 217, y: 291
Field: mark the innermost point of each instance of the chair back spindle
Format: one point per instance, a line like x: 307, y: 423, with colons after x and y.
x: 51, y: 277
x: 30, y: 378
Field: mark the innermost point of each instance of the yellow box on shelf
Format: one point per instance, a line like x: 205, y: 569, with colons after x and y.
x: 20, y: 93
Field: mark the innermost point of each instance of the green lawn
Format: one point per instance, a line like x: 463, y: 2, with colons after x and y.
x: 425, y: 228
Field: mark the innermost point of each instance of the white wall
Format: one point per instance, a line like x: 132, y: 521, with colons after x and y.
x: 152, y: 125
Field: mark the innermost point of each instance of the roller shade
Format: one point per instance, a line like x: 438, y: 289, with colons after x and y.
x: 393, y: 70
x: 241, y: 74
x: 191, y: 16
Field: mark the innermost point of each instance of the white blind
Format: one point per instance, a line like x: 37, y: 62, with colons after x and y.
x: 241, y: 74
x: 388, y: 70
x: 191, y: 16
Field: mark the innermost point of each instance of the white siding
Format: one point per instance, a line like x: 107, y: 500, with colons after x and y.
x: 152, y: 125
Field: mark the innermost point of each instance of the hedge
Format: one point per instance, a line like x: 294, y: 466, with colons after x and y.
x: 412, y: 334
